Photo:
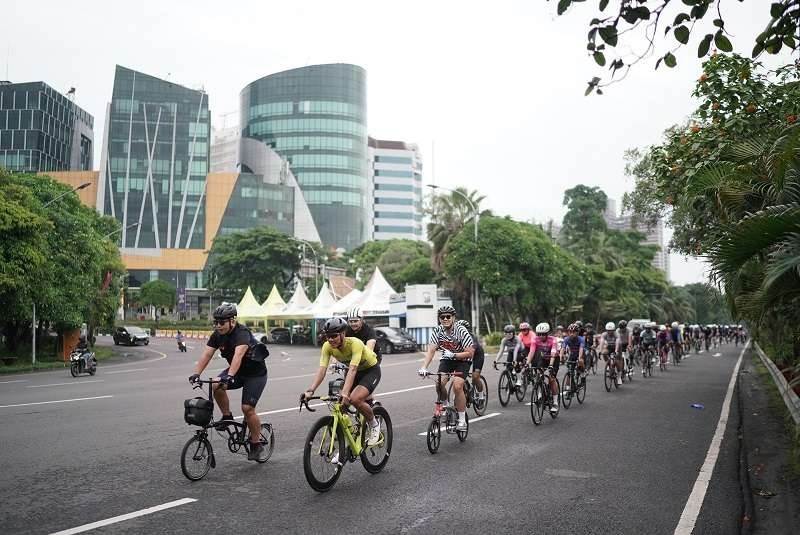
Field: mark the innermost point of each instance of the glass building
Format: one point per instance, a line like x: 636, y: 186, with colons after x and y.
x: 155, y: 161
x: 316, y: 118
x: 42, y: 130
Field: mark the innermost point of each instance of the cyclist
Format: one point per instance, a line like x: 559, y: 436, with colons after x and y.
x: 648, y: 338
x: 574, y: 348
x: 636, y: 338
x: 234, y: 342
x: 542, y: 345
x: 624, y: 338
x: 589, y: 341
x: 675, y: 338
x: 560, y: 337
x: 508, y: 345
x: 363, y: 374
x: 609, y: 343
x: 477, y: 361
x: 457, y: 350
x: 358, y: 328
x: 524, y: 348
x: 662, y: 340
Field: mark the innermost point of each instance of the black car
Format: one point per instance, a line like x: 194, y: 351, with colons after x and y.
x: 390, y: 340
x: 130, y: 336
x: 280, y: 335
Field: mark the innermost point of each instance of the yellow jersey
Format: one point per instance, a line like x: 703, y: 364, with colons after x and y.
x: 352, y: 353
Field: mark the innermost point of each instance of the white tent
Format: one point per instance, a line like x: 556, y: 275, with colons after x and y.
x: 346, y: 303
x: 298, y: 307
x: 324, y: 303
x: 248, y: 308
x: 273, y: 304
x: 377, y: 294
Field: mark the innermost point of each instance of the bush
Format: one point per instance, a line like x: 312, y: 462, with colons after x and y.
x: 492, y: 339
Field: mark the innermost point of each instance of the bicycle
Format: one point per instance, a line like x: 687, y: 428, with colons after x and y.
x: 477, y: 404
x: 572, y: 377
x: 697, y: 345
x: 610, y: 372
x: 434, y: 434
x: 343, y: 438
x: 662, y: 358
x: 197, y: 456
x: 591, y: 363
x: 648, y: 356
x: 627, y: 367
x: 542, y: 396
x: 676, y: 353
x: 508, y: 382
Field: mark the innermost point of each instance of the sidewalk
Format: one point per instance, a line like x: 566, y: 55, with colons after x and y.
x: 774, y: 482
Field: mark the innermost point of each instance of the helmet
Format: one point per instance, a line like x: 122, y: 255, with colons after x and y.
x: 560, y: 328
x: 652, y: 325
x: 508, y: 329
x: 572, y: 327
x: 637, y: 328
x: 463, y: 323
x: 334, y: 325
x: 674, y: 324
x: 623, y: 324
x: 543, y: 328
x: 524, y: 325
x: 589, y: 326
x: 610, y: 326
x: 662, y: 328
x: 353, y: 313
x: 446, y: 309
x: 225, y: 311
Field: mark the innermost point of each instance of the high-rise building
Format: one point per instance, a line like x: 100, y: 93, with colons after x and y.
x: 43, y: 130
x: 654, y: 235
x: 315, y: 118
x: 396, y: 173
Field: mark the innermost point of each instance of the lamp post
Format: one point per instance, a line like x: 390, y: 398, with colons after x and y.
x: 316, y: 262
x: 476, y: 305
x: 54, y: 199
x: 119, y: 230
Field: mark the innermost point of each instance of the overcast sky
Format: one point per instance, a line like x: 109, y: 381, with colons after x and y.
x: 491, y: 91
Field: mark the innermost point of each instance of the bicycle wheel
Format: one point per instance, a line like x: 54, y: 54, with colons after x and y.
x: 374, y: 458
x: 434, y: 435
x: 594, y: 362
x: 462, y: 435
x: 607, y: 377
x: 197, y: 458
x: 479, y: 405
x: 538, y: 398
x: 554, y: 399
x: 580, y: 392
x: 267, y: 442
x: 504, y: 386
x: 566, y: 392
x: 323, y: 455
x: 520, y: 391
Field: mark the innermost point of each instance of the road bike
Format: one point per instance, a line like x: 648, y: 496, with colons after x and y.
x: 442, y: 408
x: 610, y: 372
x: 341, y: 437
x: 677, y: 353
x: 507, y: 383
x: 627, y: 367
x: 647, y: 364
x: 197, y: 457
x: 662, y: 358
x: 697, y: 345
x: 471, y: 393
x: 542, y: 396
x: 572, y: 377
x: 590, y: 356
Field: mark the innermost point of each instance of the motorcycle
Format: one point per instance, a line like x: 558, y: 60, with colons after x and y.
x: 82, y: 361
x: 182, y: 346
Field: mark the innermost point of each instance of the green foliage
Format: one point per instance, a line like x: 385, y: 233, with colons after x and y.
x: 492, y: 339
x: 448, y: 214
x: 157, y: 293
x: 401, y: 261
x: 584, y: 215
x: 708, y: 304
x: 259, y: 258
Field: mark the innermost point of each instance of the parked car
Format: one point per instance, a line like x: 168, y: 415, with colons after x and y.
x: 260, y: 336
x: 130, y: 335
x: 390, y: 340
x: 280, y: 335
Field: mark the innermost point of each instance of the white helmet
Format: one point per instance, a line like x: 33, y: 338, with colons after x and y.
x: 543, y: 328
x: 353, y: 313
x: 610, y: 326
x: 662, y: 328
x: 674, y: 324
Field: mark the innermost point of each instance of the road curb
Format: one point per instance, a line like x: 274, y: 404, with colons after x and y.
x: 789, y: 397
x: 748, y: 508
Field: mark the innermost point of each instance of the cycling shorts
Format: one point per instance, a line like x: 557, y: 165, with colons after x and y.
x: 453, y: 365
x: 369, y: 378
x: 542, y: 361
x: 252, y: 386
x: 477, y: 363
x: 573, y: 357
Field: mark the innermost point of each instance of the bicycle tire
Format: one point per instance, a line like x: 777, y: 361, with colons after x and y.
x: 434, y: 435
x: 537, y: 402
x: 324, y: 424
x: 607, y: 378
x: 566, y: 396
x: 479, y: 405
x: 267, y: 441
x: 202, y: 454
x: 368, y: 454
x: 462, y: 435
x: 580, y: 393
x: 520, y: 391
x: 504, y: 386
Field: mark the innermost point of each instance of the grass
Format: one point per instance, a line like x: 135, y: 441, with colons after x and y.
x: 777, y: 405
x: 101, y: 353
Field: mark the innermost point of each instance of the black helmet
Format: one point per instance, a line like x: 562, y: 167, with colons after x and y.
x: 334, y: 325
x: 623, y: 324
x: 446, y: 309
x: 589, y: 327
x: 579, y: 323
x: 463, y: 323
x: 225, y: 311
x: 508, y: 329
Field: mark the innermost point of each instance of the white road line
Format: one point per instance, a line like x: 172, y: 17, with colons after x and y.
x: 492, y: 415
x: 717, y: 355
x: 70, y: 383
x: 17, y: 381
x: 120, y: 518
x: 56, y: 401
x: 128, y: 371
x: 695, y: 501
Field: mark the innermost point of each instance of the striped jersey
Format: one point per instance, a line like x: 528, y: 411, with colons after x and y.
x: 456, y: 339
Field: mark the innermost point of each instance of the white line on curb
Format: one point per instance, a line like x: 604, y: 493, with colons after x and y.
x: 17, y: 381
x: 492, y: 415
x: 128, y: 371
x: 70, y: 383
x: 120, y: 518
x: 695, y: 501
x: 56, y: 401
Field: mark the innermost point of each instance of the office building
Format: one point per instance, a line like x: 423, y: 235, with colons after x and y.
x: 315, y: 118
x: 396, y: 176
x: 42, y: 130
x: 653, y: 235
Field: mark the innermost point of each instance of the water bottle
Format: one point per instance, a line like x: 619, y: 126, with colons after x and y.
x: 698, y: 406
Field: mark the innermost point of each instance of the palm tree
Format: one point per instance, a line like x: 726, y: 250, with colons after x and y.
x: 449, y: 214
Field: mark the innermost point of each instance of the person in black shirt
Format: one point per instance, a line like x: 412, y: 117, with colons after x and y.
x: 234, y: 342
x: 358, y: 328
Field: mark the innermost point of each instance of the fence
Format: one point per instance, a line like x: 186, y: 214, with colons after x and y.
x: 789, y: 397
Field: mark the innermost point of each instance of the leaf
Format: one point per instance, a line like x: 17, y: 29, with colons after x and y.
x: 666, y: 30
x: 790, y: 42
x: 590, y: 46
x: 658, y: 62
x: 776, y: 9
x: 681, y: 18
x: 669, y: 60
x: 599, y: 58
x: 609, y: 35
x: 682, y: 34
x: 705, y: 44
x: 603, y: 5
x: 757, y: 50
x: 562, y: 6
x: 643, y: 12
x: 699, y: 11
x: 592, y: 84
x: 722, y: 42
x: 719, y: 23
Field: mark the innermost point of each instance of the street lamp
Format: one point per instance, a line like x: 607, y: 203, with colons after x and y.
x: 316, y: 262
x: 119, y: 230
x: 476, y: 305
x: 82, y: 186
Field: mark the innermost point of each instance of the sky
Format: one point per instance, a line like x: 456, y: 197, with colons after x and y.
x: 492, y: 92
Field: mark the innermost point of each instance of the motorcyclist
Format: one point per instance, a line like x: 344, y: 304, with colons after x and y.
x: 179, y: 338
x: 88, y: 357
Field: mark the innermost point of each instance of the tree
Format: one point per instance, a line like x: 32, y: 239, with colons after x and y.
x: 708, y: 303
x: 584, y: 215
x: 448, y: 215
x: 259, y: 258
x: 158, y: 294
x: 646, y: 16
x: 406, y: 262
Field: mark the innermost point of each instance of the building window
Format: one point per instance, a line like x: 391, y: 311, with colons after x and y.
x: 395, y: 174
x: 391, y: 200
x: 393, y: 159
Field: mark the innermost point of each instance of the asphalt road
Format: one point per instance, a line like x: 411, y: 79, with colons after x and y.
x: 79, y: 451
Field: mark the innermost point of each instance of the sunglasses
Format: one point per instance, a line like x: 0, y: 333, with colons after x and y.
x: 332, y: 336
x: 445, y: 317
x: 219, y: 322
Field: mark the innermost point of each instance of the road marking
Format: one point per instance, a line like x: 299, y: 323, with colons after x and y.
x: 120, y: 518
x: 492, y: 415
x: 56, y: 401
x: 717, y: 355
x: 70, y: 383
x: 128, y: 371
x: 695, y: 501
x: 17, y: 381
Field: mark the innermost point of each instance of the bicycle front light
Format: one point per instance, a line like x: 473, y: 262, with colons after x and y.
x: 335, y: 387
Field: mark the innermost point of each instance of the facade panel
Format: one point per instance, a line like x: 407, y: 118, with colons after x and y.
x: 396, y: 176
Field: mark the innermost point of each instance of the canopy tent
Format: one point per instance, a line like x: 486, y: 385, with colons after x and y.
x: 346, y: 303
x: 248, y: 308
x: 274, y: 303
x: 298, y: 307
x: 377, y: 294
x: 322, y: 307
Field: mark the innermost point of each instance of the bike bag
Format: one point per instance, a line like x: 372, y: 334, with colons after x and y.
x: 198, y: 411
